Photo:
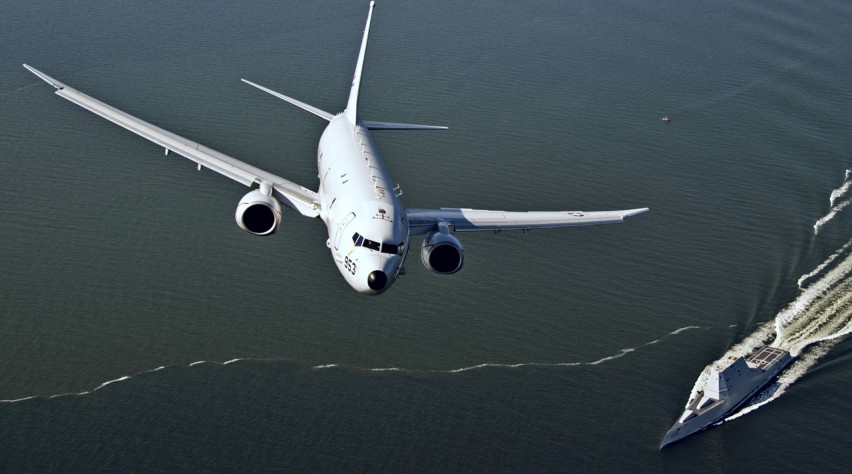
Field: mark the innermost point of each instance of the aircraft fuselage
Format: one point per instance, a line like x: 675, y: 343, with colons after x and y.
x: 368, y: 233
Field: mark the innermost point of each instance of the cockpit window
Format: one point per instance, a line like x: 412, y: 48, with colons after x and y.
x: 372, y: 245
x: 392, y: 248
x: 387, y: 247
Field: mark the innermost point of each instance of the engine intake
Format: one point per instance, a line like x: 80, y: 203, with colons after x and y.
x: 258, y: 213
x: 442, y: 253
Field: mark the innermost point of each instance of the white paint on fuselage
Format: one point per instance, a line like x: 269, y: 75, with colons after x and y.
x: 357, y: 196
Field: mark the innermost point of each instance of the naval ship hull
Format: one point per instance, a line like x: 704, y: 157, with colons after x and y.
x: 726, y: 389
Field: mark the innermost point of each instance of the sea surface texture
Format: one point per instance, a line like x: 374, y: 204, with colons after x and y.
x: 142, y: 330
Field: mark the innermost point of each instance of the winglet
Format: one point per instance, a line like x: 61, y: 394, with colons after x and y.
x: 351, y: 111
x: 44, y: 77
x: 633, y: 212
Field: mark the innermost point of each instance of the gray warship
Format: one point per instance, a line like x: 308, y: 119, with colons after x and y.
x: 726, y: 389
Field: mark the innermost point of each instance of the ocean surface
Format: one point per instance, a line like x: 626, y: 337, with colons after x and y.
x: 142, y: 330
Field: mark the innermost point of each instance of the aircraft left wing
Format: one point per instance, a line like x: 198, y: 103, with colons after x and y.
x: 294, y: 196
x: 422, y: 221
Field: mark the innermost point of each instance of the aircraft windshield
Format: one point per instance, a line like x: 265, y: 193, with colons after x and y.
x: 392, y: 248
x: 387, y: 247
x: 371, y: 244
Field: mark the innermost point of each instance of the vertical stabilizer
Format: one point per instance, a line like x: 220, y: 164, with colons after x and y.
x: 351, y: 111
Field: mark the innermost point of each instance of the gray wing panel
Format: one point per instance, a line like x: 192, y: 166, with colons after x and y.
x: 422, y: 221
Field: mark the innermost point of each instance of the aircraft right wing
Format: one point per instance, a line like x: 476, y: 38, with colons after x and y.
x: 294, y: 196
x: 422, y: 221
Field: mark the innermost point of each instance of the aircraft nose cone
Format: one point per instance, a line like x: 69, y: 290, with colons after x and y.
x: 377, y: 280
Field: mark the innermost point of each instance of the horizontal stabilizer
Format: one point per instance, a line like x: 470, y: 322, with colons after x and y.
x: 399, y: 126
x: 297, y: 103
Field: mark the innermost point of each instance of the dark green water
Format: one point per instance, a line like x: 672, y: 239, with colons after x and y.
x: 569, y: 350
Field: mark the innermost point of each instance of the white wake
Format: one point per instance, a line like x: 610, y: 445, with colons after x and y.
x: 621, y: 353
x: 840, y: 194
x: 617, y: 355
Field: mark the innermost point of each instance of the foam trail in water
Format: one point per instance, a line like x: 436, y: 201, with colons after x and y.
x: 19, y: 399
x: 831, y: 215
x: 620, y: 354
x: 110, y: 382
x: 835, y: 196
x: 842, y: 190
x: 120, y: 379
x: 819, y: 269
x: 823, y: 311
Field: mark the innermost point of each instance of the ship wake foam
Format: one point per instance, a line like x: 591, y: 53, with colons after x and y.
x: 838, y: 200
x: 823, y: 310
x: 621, y: 353
x: 805, y: 280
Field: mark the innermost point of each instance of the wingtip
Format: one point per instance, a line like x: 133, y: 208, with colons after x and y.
x: 44, y: 77
x: 633, y: 212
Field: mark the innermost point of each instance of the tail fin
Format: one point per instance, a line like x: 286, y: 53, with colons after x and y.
x: 351, y: 111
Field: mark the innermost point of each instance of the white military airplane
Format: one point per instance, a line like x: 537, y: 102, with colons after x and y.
x: 368, y: 227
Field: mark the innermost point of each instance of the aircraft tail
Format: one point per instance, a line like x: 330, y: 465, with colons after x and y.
x: 351, y: 111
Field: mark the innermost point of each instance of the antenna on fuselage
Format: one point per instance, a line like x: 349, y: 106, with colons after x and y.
x: 351, y: 111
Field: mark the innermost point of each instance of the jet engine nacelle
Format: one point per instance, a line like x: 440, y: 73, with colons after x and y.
x: 442, y: 253
x: 258, y: 213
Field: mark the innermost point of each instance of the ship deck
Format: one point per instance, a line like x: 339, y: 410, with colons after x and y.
x: 766, y: 357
